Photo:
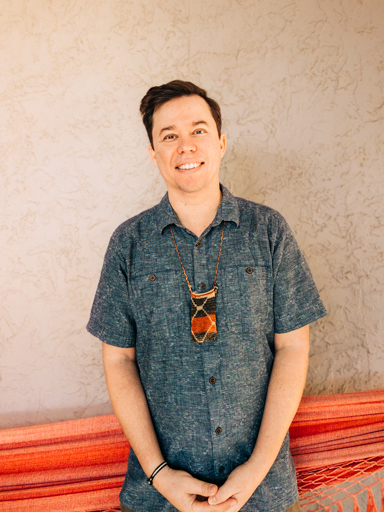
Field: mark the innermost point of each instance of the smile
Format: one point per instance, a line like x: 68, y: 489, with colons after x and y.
x: 189, y: 166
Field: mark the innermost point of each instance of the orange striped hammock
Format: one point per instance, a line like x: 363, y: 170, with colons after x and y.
x: 80, y: 465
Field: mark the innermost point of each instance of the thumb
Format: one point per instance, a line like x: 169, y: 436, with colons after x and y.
x: 202, y: 488
x: 223, y: 494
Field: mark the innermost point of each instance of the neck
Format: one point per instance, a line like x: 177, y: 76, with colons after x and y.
x: 196, y: 211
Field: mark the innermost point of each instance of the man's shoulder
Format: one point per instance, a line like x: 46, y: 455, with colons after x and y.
x: 259, y: 213
x: 131, y: 228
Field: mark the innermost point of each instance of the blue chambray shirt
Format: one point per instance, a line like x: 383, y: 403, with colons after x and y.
x: 206, y: 400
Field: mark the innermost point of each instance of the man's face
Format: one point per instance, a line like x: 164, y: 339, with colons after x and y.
x: 187, y: 148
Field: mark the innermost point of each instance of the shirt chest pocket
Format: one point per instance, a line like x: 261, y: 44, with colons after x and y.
x: 158, y: 301
x: 248, y: 298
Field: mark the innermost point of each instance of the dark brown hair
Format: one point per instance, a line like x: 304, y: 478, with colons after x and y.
x: 158, y: 95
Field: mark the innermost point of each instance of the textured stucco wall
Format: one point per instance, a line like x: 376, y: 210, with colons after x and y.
x: 301, y: 88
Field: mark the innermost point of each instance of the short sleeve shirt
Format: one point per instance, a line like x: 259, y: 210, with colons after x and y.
x: 206, y: 399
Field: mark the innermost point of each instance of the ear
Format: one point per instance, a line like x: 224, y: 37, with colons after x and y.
x: 223, y: 144
x: 152, y: 154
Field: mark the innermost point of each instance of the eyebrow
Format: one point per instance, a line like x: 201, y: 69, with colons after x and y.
x: 173, y: 127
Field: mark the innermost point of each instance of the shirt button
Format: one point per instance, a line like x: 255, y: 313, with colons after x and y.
x: 218, y: 430
x: 212, y: 380
x: 249, y: 270
x: 152, y: 277
x: 221, y: 469
x: 203, y: 286
x: 199, y: 244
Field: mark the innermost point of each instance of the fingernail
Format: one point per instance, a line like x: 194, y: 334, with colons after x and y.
x: 212, y: 499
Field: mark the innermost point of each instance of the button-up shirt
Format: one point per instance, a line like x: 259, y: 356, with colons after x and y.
x: 206, y: 399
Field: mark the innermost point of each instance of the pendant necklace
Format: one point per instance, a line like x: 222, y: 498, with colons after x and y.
x: 203, y: 305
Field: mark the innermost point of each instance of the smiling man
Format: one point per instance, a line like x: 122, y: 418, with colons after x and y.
x: 203, y: 306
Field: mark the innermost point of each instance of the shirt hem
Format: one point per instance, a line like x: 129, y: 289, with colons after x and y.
x: 302, y: 322
x: 108, y: 338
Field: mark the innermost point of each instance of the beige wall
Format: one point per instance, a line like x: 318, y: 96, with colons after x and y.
x: 301, y: 87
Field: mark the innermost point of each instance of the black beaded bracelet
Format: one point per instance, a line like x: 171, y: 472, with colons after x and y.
x: 159, y: 468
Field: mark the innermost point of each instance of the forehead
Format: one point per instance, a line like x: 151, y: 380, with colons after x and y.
x: 185, y: 110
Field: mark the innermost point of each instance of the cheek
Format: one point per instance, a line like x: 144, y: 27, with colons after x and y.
x: 214, y: 148
x: 215, y: 152
x: 163, y: 159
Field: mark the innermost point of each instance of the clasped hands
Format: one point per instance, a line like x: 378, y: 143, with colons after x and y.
x: 188, y: 494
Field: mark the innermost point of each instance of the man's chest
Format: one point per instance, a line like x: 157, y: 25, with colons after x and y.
x: 162, y: 298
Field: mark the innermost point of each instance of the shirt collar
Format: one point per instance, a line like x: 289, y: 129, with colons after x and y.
x: 227, y: 211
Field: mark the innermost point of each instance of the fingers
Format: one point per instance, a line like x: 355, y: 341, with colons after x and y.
x: 226, y: 506
x: 224, y: 493
x: 200, y: 488
x: 208, y: 491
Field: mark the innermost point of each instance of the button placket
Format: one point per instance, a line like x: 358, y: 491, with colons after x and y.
x: 211, y: 363
x: 199, y: 266
x: 214, y: 400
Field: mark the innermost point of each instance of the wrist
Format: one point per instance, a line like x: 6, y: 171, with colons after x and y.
x: 157, y: 470
x: 258, y: 468
x: 162, y: 479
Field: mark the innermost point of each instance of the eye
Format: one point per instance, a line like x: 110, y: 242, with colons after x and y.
x: 169, y: 137
x: 199, y: 131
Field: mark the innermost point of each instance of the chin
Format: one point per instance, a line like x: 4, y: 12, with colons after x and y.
x: 195, y: 183
x: 191, y: 187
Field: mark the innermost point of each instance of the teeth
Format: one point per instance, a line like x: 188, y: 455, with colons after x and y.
x: 188, y: 166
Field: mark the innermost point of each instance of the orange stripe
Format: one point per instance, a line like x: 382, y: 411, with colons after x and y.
x: 208, y: 294
x: 204, y: 324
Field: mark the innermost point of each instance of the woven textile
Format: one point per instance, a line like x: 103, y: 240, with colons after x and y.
x: 203, y: 316
x: 80, y: 465
x: 337, y: 443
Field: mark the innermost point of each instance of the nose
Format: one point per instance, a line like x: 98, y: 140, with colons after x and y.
x: 186, y: 145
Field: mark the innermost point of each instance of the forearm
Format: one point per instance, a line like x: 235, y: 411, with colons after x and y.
x: 130, y: 406
x: 283, y: 397
x: 284, y: 393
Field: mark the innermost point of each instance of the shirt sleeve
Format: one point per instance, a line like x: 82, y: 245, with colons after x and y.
x: 296, y: 299
x: 112, y: 318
